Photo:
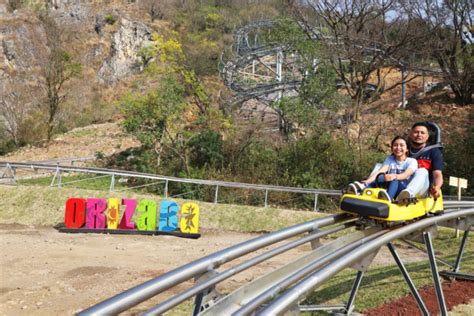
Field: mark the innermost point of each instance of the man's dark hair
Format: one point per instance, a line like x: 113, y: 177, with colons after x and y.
x: 421, y: 124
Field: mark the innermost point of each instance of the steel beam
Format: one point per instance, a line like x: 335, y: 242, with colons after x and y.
x: 457, y: 265
x: 314, y: 308
x: 209, y: 293
x: 407, y: 278
x: 434, y: 272
x: 457, y: 275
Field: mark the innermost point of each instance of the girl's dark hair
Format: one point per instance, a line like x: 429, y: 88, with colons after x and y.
x: 397, y: 138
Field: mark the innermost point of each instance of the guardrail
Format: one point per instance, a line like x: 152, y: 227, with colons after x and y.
x: 57, y: 168
x: 286, y: 286
x: 11, y: 167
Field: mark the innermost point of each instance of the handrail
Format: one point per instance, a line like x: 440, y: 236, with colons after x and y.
x: 123, y: 173
x: 458, y: 204
x: 42, y: 165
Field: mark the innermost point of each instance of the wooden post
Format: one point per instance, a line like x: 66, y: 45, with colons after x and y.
x: 460, y: 183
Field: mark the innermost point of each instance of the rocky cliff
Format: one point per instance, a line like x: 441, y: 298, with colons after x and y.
x: 103, y: 36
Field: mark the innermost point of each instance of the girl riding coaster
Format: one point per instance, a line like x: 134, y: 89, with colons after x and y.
x: 417, y: 199
x: 396, y: 171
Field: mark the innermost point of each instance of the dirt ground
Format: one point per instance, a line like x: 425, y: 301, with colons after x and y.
x: 45, y: 272
x: 455, y: 293
x: 106, y: 139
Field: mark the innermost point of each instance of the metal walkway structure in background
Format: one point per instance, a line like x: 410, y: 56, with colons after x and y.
x: 281, y: 290
x: 263, y: 70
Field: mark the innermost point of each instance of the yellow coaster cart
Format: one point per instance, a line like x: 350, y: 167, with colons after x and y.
x: 370, y: 206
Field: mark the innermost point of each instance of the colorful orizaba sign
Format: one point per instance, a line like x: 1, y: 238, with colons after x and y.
x: 95, y: 215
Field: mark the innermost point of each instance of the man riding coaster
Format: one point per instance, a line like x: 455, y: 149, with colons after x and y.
x: 430, y: 163
x: 402, y: 177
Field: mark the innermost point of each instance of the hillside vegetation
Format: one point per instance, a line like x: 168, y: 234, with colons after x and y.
x: 152, y: 66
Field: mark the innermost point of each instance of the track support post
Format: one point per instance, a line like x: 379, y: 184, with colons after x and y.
x: 434, y: 272
x: 11, y: 171
x: 216, y: 194
x: 112, y: 184
x: 57, y: 175
x: 355, y: 287
x: 457, y: 265
x: 204, y: 299
x: 405, y: 274
x: 315, y: 206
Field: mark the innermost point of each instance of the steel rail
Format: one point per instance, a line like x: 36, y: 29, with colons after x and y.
x: 221, y: 276
x: 140, y: 293
x: 292, y: 296
x: 123, y: 173
x: 253, y: 304
x: 458, y: 204
x: 261, y: 187
x: 244, y: 294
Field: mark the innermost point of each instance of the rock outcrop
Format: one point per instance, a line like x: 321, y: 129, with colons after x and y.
x: 107, y: 50
x: 125, y: 46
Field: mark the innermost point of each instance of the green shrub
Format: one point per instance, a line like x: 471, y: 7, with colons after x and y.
x: 110, y: 19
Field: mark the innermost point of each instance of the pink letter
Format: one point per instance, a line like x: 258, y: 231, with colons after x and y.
x: 94, y: 214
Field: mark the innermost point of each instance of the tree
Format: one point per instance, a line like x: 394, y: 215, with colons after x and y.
x: 304, y: 62
x: 362, y: 37
x: 16, y: 103
x: 157, y: 9
x: 171, y: 55
x: 57, y: 68
x: 156, y: 118
x: 451, y: 25
x: 13, y: 109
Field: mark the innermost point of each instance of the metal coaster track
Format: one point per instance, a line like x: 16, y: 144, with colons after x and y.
x: 248, y: 53
x: 282, y: 289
